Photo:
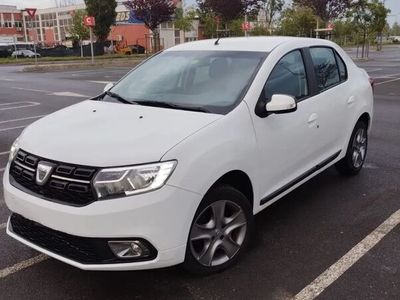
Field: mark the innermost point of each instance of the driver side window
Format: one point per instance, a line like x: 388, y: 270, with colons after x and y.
x: 288, y: 77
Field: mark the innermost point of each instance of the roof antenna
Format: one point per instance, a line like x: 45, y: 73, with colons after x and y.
x: 217, y: 42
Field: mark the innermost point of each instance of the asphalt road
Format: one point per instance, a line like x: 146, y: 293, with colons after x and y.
x: 298, y: 238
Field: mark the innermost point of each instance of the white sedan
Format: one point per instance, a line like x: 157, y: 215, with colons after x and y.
x: 171, y: 164
x: 25, y: 53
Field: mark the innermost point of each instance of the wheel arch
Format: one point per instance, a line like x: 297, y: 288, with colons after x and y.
x: 366, y: 118
x: 238, y: 180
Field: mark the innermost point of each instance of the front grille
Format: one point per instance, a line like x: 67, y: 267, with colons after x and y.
x: 79, y: 249
x: 68, y: 184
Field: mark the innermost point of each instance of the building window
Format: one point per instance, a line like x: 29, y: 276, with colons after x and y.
x: 177, y: 37
x: 167, y: 25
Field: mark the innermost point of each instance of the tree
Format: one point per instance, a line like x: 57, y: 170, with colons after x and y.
x: 298, y: 21
x: 78, y: 31
x: 379, y: 19
x: 229, y: 10
x: 208, y: 23
x: 368, y: 17
x: 395, y: 29
x: 184, y: 22
x: 343, y: 29
x: 325, y: 9
x: 152, y: 13
x: 104, y: 13
x: 272, y: 8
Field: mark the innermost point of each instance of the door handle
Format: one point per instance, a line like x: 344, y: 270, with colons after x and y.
x: 312, y: 121
x: 351, y: 100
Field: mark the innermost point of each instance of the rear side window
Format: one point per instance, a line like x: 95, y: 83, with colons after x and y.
x: 342, y: 68
x: 288, y: 77
x: 326, y: 69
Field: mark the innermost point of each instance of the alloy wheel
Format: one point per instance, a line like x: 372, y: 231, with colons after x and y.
x: 359, y: 147
x: 218, y: 233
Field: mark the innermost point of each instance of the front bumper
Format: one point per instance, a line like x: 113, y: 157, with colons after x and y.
x: 162, y: 217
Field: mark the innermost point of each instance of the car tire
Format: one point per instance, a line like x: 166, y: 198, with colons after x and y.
x: 216, y: 243
x: 356, y: 152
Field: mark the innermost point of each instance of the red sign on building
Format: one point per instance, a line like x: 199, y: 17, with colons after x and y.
x: 89, y: 21
x: 31, y: 12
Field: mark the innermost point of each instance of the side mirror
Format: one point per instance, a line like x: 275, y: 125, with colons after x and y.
x: 281, y: 104
x: 108, y: 87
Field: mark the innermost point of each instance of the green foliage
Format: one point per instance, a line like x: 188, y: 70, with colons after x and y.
x: 208, y: 23
x: 298, y: 21
x: 104, y: 13
x: 344, y: 31
x: 79, y: 31
x: 235, y: 27
x: 325, y: 9
x: 379, y: 16
x: 369, y: 16
x: 259, y: 30
x: 395, y: 29
x: 272, y: 8
x: 184, y: 22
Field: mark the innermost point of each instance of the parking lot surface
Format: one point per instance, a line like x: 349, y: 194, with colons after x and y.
x: 320, y: 240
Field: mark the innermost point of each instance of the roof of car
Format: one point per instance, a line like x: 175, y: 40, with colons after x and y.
x: 260, y: 44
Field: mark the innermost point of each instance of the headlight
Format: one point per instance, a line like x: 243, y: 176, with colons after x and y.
x: 126, y: 181
x: 14, y: 149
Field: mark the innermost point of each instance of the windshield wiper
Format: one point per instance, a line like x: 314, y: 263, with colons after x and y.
x: 119, y: 98
x: 171, y: 105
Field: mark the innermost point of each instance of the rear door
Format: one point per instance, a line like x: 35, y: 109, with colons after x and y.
x: 333, y: 99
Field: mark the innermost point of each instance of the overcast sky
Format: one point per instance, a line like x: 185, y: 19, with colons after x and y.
x: 394, y: 5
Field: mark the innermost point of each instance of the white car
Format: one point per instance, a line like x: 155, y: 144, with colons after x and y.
x: 170, y: 165
x: 25, y: 53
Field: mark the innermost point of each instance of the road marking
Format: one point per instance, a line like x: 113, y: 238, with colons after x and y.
x: 328, y: 277
x: 12, y: 128
x: 4, y: 153
x: 7, y: 79
x: 25, y: 104
x: 100, y: 82
x: 51, y: 93
x: 374, y: 70
x: 388, y: 76
x: 2, y: 226
x: 31, y: 90
x: 17, y: 102
x: 2, y: 169
x: 22, y: 265
x: 387, y: 81
x: 22, y: 119
x: 69, y: 94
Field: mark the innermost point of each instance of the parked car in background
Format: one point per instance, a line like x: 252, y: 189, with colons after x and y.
x: 25, y: 53
x: 395, y: 39
x: 171, y: 164
x: 137, y: 49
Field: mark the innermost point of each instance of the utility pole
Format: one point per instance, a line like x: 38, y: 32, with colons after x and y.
x: 91, y: 43
x: 245, y: 22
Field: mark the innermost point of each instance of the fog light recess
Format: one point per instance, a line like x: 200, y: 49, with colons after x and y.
x: 129, y: 249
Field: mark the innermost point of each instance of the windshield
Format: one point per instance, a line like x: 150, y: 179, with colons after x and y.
x: 208, y: 81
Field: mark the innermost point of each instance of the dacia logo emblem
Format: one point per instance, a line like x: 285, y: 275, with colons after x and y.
x: 43, y: 172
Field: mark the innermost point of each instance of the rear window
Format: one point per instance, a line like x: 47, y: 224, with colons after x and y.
x: 326, y: 69
x: 342, y: 67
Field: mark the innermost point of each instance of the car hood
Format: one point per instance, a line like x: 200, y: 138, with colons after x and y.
x: 105, y: 134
